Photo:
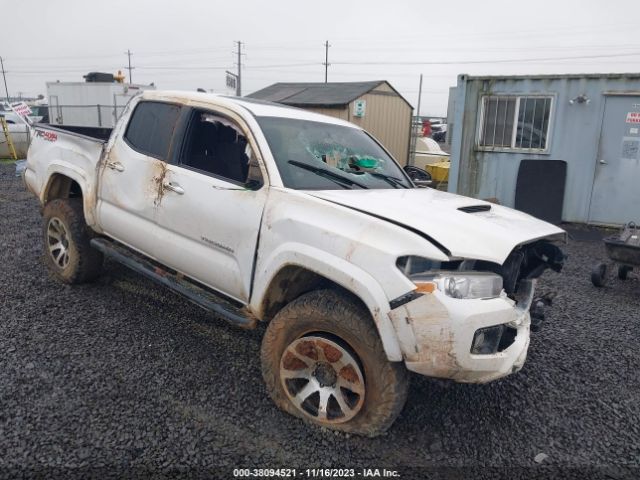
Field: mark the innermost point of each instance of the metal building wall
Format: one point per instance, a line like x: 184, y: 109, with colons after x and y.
x: 574, y: 135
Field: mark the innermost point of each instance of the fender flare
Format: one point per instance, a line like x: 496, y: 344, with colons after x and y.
x: 76, y: 174
x: 337, y: 270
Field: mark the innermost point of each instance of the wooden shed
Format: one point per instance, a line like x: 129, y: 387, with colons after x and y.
x: 375, y: 106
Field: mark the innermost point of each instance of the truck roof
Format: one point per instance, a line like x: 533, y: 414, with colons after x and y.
x: 258, y: 108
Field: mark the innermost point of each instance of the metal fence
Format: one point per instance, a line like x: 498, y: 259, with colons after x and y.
x: 84, y: 115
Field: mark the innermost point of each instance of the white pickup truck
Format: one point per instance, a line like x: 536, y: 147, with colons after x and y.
x: 265, y: 213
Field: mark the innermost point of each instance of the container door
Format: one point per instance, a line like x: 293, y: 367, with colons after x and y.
x: 616, y: 196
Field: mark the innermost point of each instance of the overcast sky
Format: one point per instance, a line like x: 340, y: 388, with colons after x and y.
x: 188, y: 44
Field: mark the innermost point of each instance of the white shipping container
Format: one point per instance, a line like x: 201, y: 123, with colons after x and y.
x: 89, y: 104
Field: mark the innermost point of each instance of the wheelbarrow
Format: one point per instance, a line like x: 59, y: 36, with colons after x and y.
x: 623, y: 250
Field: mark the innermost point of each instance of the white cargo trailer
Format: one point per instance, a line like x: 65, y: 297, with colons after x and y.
x: 89, y: 104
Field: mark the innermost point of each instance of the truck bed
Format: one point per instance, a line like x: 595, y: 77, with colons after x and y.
x: 95, y: 133
x: 73, y: 154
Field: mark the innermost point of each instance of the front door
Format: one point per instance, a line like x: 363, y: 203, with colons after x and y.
x: 616, y: 186
x: 210, y: 212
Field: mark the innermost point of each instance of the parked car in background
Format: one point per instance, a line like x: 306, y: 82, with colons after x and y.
x: 439, y: 132
x: 428, y: 151
x: 19, y: 132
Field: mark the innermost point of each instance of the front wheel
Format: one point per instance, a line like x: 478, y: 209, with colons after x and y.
x: 323, y: 361
x: 67, y: 251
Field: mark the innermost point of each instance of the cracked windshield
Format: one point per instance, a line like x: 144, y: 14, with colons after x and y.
x: 322, y: 156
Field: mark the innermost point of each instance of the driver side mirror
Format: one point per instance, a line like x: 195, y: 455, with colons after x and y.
x: 253, y: 184
x: 419, y: 177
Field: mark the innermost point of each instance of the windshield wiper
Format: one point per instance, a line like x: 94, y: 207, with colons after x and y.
x: 336, y: 177
x: 396, y: 182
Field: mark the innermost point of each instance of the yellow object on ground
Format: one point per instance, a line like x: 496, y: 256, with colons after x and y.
x: 7, y: 138
x: 439, y: 171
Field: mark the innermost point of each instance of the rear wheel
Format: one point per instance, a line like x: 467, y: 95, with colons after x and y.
x: 323, y: 361
x: 599, y: 275
x: 68, y: 253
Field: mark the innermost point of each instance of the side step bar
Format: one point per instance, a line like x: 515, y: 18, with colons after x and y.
x: 204, y: 298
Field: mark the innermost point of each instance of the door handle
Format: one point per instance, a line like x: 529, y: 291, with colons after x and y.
x: 174, y: 187
x: 116, y: 166
x: 602, y: 161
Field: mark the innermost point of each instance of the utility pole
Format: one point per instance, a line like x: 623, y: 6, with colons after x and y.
x: 4, y: 76
x: 239, y: 74
x: 416, y: 127
x: 419, y: 95
x: 128, y: 52
x: 326, y: 60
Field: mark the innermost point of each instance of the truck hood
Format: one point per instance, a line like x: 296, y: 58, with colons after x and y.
x: 489, y: 232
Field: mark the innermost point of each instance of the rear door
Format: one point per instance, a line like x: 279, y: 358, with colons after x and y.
x: 132, y: 177
x: 211, y: 210
x: 616, y: 195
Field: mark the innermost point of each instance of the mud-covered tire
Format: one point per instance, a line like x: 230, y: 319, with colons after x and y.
x: 599, y: 275
x: 83, y: 263
x: 342, y: 318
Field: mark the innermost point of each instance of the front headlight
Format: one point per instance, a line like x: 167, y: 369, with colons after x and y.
x: 461, y: 284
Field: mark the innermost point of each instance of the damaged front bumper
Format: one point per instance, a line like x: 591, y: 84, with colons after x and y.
x: 440, y: 336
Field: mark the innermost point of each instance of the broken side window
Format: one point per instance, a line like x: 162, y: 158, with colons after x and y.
x: 216, y: 146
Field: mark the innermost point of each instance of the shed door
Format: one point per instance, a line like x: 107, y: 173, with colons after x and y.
x: 615, y: 198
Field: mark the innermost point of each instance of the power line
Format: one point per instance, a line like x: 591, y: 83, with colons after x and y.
x: 284, y: 65
x: 177, y: 67
x: 472, y: 62
x: 345, y: 63
x: 116, y: 55
x: 357, y: 39
x: 500, y: 34
x: 75, y: 68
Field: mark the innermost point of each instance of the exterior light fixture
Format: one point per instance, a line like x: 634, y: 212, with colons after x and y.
x: 580, y: 99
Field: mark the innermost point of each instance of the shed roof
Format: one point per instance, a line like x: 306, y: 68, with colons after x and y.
x: 318, y: 94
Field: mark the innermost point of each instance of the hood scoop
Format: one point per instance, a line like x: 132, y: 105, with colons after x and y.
x: 475, y: 208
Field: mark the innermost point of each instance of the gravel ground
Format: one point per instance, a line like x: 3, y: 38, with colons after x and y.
x: 122, y: 377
